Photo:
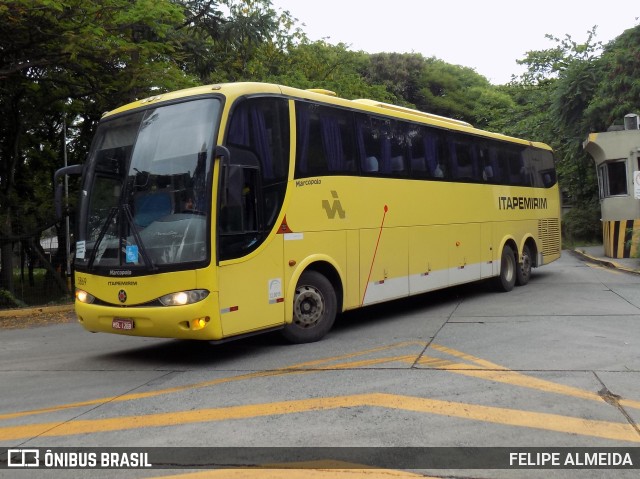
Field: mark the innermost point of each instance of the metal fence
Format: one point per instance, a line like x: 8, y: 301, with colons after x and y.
x: 36, y: 280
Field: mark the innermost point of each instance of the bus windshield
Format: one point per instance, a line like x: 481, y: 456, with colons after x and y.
x: 145, y: 203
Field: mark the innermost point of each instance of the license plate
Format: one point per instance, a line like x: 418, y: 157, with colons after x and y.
x: 121, y: 323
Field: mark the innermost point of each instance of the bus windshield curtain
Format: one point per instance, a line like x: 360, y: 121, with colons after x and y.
x: 385, y: 147
x: 431, y: 152
x: 453, y: 158
x: 262, y: 142
x: 302, y: 126
x: 239, y: 129
x: 495, y: 165
x: 248, y: 124
x: 360, y: 144
x: 475, y: 163
x: 332, y: 143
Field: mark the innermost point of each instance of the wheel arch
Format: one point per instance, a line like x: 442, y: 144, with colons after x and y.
x: 530, y: 241
x: 326, y: 267
x: 511, y: 242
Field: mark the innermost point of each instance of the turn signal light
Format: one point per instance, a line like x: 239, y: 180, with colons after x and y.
x: 199, y: 323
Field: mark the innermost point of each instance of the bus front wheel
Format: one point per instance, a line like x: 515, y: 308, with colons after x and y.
x: 508, y: 270
x: 314, y: 309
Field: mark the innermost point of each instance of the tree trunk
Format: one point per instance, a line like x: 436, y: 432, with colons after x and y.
x: 6, y: 273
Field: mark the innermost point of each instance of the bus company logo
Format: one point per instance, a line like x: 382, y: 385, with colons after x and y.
x: 521, y: 203
x: 122, y: 295
x: 333, y: 208
x: 309, y: 182
x: 23, y: 458
x: 120, y: 272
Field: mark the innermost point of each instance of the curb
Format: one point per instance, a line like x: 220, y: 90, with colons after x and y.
x: 19, y: 313
x: 603, y: 262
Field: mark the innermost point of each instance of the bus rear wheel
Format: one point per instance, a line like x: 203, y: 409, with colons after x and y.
x: 508, y: 270
x: 314, y: 309
x: 524, y: 269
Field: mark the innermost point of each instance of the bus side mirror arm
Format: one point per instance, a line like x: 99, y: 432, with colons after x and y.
x: 67, y: 170
x: 223, y: 152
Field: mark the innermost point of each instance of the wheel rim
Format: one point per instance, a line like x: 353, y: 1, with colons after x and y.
x: 308, y: 306
x: 509, y: 268
x: 526, y: 265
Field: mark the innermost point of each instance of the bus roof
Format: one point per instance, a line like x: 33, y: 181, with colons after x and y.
x: 234, y: 90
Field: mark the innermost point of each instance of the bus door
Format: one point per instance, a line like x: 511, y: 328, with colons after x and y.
x: 253, y: 182
x: 250, y: 273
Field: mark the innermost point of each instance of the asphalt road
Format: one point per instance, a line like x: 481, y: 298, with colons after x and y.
x: 552, y: 364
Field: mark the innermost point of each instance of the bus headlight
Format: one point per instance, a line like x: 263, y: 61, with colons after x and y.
x: 84, y: 297
x: 184, y: 297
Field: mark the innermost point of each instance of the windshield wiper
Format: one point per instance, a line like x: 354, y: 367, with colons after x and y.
x: 103, y: 231
x: 127, y: 213
x: 136, y: 235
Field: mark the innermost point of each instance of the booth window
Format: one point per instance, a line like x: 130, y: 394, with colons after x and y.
x: 612, y: 179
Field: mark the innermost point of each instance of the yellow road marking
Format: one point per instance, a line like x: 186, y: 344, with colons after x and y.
x: 294, y: 369
x: 474, y: 367
x: 491, y: 414
x: 300, y: 471
x: 494, y: 372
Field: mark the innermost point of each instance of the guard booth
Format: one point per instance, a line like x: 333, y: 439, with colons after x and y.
x: 616, y: 153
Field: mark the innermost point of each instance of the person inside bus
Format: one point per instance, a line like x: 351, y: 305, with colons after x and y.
x: 188, y: 204
x: 371, y: 164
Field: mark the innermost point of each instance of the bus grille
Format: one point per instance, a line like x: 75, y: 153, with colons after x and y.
x: 549, y: 235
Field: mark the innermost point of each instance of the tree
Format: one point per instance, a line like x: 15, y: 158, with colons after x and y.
x: 332, y: 67
x: 60, y: 58
x: 434, y: 86
x: 575, y: 88
x: 618, y: 89
x: 248, y: 42
x: 553, y: 95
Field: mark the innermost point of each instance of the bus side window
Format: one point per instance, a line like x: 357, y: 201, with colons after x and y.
x: 368, y: 145
x: 518, y: 174
x: 325, y: 141
x: 239, y: 224
x: 436, y: 154
x: 258, y: 140
x: 416, y: 151
x: 381, y: 146
x: 463, y: 158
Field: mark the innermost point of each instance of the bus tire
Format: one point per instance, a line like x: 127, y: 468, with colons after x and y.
x: 508, y: 270
x: 314, y: 309
x: 524, y: 268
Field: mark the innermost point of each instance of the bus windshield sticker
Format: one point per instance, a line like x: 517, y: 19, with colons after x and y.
x: 80, y: 249
x: 132, y: 254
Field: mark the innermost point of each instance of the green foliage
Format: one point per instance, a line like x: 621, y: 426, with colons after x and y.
x: 8, y: 300
x: 332, y: 67
x: 570, y: 90
x: 618, y: 91
x: 581, y: 224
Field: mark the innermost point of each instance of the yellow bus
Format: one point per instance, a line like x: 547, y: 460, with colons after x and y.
x: 226, y: 210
